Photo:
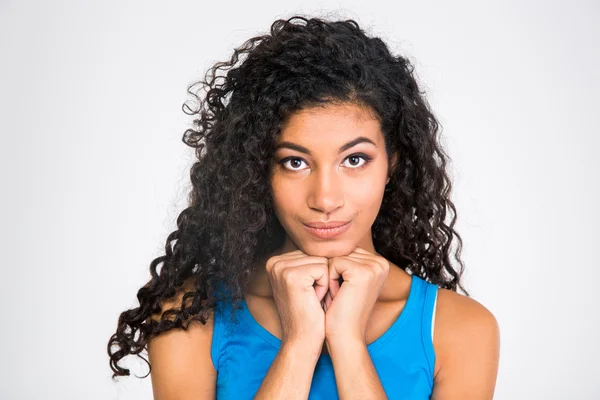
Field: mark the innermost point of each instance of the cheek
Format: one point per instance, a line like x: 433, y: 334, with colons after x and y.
x: 285, y: 198
x: 373, y: 181
x: 367, y: 195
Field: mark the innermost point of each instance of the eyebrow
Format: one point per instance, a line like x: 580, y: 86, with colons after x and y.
x: 302, y: 149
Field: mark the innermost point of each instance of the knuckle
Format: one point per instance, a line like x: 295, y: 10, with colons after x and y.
x: 271, y: 262
x: 376, y: 266
x: 384, y: 267
x: 277, y: 267
x: 288, y: 275
x: 373, y: 273
x: 383, y: 262
x: 316, y: 259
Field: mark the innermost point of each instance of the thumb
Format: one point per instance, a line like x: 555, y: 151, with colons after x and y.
x: 334, y: 287
x: 320, y: 290
x: 321, y: 283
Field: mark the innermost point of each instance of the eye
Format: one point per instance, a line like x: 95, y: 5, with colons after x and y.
x: 353, y: 157
x: 296, y: 161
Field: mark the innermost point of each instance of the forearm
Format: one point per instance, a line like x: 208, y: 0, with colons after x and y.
x: 355, y: 374
x: 290, y: 374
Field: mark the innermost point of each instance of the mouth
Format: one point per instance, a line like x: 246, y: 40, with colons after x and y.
x: 327, y: 230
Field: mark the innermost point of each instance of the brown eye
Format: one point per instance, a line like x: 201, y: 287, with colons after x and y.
x: 355, y: 160
x: 294, y: 161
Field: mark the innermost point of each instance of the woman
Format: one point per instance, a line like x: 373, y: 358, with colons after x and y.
x: 314, y: 252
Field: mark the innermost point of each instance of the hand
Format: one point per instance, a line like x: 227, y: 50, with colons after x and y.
x: 299, y: 283
x: 348, y: 306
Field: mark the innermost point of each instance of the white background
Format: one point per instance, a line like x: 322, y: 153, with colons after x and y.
x: 94, y: 172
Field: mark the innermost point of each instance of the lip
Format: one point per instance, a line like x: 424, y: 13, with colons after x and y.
x: 325, y: 225
x: 327, y: 230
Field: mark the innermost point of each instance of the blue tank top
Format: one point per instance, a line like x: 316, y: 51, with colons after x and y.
x: 242, y: 352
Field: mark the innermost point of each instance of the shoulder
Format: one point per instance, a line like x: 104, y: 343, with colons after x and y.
x: 175, y: 302
x: 461, y: 319
x: 467, y: 344
x: 181, y: 363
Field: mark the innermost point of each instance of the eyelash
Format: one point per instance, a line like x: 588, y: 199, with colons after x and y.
x: 360, y: 155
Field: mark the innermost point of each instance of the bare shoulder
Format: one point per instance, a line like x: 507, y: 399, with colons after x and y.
x: 467, y: 346
x: 181, y: 363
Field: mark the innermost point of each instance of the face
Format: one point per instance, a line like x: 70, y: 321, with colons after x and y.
x: 330, y: 165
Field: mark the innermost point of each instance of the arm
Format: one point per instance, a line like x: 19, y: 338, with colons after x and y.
x: 290, y: 374
x: 468, y: 348
x: 355, y: 374
x: 181, y: 364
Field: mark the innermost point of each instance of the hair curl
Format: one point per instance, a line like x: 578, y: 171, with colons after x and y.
x: 230, y: 221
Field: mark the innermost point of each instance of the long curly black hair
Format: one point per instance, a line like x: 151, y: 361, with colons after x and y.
x: 230, y: 222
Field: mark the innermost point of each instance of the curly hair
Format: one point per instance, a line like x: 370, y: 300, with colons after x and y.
x: 230, y: 222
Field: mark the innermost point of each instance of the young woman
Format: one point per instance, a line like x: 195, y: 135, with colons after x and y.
x: 313, y: 260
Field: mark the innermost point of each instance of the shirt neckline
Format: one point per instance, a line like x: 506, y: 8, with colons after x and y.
x: 275, y: 342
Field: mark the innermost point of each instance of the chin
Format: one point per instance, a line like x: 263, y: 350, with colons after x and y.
x: 328, y: 248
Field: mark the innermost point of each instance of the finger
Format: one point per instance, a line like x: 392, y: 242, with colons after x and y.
x: 328, y: 299
x: 292, y: 254
x: 370, y: 259
x: 365, y: 256
x: 319, y: 274
x: 334, y: 287
x: 360, y: 258
x: 295, y: 260
x: 368, y: 256
x: 275, y: 259
x: 379, y: 267
x: 297, y: 251
x: 361, y: 250
x: 286, y: 256
x: 337, y: 269
x: 299, y: 259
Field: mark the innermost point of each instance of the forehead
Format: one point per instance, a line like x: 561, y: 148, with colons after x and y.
x: 331, y: 125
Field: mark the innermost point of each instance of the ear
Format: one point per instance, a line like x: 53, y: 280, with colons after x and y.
x: 392, y: 168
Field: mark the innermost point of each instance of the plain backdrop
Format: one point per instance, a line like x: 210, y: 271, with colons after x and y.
x: 94, y: 172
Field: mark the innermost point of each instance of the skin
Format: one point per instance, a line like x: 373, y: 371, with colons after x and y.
x: 466, y: 336
x: 328, y: 185
x: 320, y: 183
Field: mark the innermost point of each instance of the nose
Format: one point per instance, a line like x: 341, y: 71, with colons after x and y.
x: 326, y: 192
